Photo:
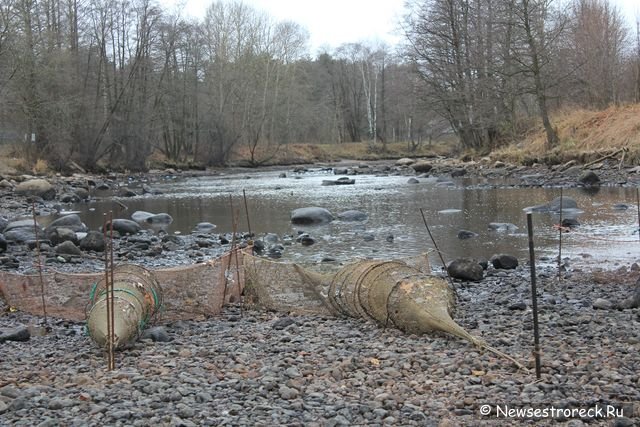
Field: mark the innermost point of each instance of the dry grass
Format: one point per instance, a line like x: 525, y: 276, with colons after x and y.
x: 10, y: 164
x: 584, y: 136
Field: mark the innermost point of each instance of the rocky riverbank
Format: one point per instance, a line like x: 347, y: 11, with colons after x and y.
x: 257, y: 368
x: 247, y: 367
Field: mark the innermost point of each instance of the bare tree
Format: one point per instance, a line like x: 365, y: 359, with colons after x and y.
x: 598, y: 38
x: 637, y: 61
x: 532, y: 16
x: 452, y: 43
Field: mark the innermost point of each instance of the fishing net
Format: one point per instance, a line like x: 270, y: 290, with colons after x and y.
x: 190, y: 292
x: 287, y: 287
x: 279, y: 286
x: 137, y: 297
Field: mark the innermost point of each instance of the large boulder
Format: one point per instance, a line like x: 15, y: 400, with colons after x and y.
x: 126, y: 192
x: 466, y: 234
x: 69, y: 198
x: 148, y: 218
x: 19, y: 333
x: 311, y: 216
x: 504, y: 261
x: 589, y: 179
x: 93, y: 241
x: 68, y: 248
x: 61, y: 234
x: 405, y: 161
x: 352, y: 215
x: 123, y: 226
x: 22, y: 231
x: 465, y: 269
x: 37, y: 187
x: 554, y: 205
x: 3, y: 223
x: 204, y: 227
x: 502, y: 226
x: 82, y: 193
x: 422, y: 166
x: 71, y: 222
x: 633, y: 301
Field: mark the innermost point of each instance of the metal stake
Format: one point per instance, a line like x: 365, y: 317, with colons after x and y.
x: 638, y: 202
x: 107, y: 295
x: 435, y: 245
x: 246, y: 210
x: 112, y: 339
x: 560, y: 239
x: 35, y: 230
x: 534, y: 296
x: 235, y: 253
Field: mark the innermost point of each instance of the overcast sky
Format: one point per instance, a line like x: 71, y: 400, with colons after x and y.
x: 333, y: 22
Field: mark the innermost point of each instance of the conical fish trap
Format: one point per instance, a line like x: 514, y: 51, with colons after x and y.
x: 137, y: 298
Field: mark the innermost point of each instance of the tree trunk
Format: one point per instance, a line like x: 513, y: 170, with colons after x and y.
x: 552, y: 137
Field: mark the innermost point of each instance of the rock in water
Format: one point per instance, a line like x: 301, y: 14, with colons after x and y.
x: 72, y: 222
x: 124, y: 226
x: 352, y: 215
x: 311, y: 216
x: 466, y: 234
x: 589, y: 179
x: 554, y: 205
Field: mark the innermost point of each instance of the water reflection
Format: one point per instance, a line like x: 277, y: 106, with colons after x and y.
x: 393, y: 206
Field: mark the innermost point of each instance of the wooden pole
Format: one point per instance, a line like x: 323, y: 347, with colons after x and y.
x: 534, y: 296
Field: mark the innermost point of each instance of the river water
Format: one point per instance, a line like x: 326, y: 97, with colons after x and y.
x: 606, y: 236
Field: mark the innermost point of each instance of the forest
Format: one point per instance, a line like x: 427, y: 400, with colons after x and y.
x: 114, y: 82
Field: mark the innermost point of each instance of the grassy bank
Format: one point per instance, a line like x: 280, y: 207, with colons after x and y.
x: 584, y: 136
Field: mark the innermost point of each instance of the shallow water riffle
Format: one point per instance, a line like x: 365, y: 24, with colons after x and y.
x: 394, y: 228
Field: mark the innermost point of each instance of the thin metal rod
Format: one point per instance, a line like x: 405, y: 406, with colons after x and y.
x: 560, y: 238
x: 233, y: 242
x: 246, y: 210
x: 106, y: 284
x: 235, y: 253
x: 435, y: 245
x: 35, y: 230
x: 112, y: 340
x: 424, y: 219
x: 534, y: 296
x: 638, y: 203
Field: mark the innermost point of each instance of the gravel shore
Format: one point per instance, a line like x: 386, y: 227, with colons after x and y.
x: 255, y: 368
x: 248, y: 367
